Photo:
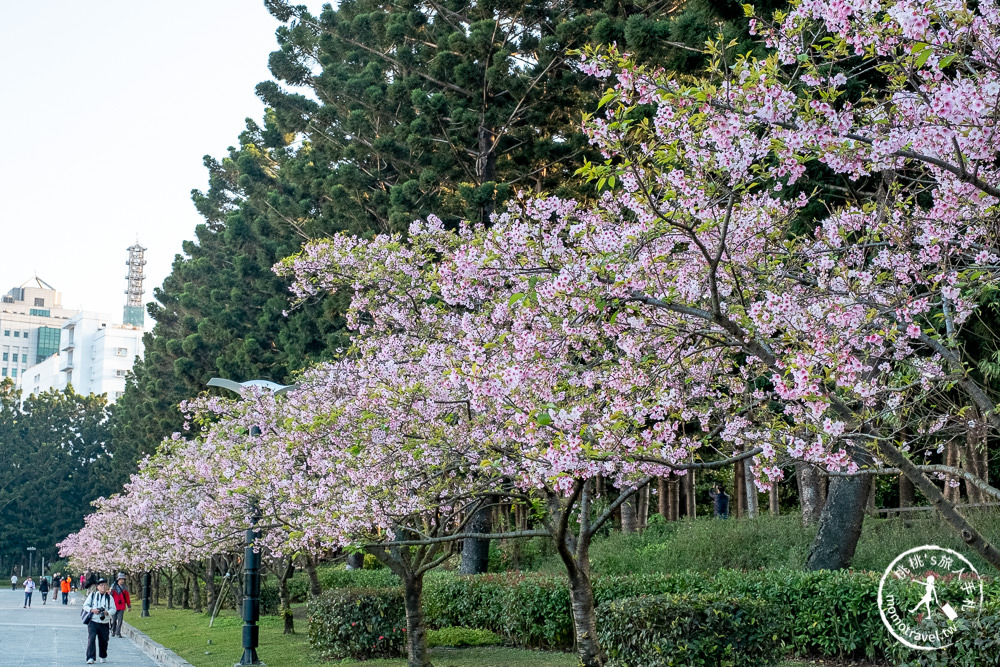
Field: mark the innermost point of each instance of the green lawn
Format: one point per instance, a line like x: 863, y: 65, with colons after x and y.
x: 188, y: 635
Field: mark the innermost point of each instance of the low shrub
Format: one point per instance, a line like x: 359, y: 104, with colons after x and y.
x: 462, y: 637
x: 976, y: 643
x: 341, y: 577
x: 696, y: 631
x: 359, y: 623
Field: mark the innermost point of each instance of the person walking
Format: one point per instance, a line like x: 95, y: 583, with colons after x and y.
x: 43, y: 588
x: 102, y: 604
x: 122, y: 601
x: 29, y: 588
x: 13, y: 582
x: 64, y: 587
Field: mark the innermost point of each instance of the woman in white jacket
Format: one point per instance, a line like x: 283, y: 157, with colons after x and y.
x: 101, y: 603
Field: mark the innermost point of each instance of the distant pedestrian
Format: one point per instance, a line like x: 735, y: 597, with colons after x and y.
x: 720, y: 501
x: 64, y: 587
x: 123, y: 601
x: 29, y: 588
x: 103, y: 606
x: 13, y: 582
x: 43, y: 588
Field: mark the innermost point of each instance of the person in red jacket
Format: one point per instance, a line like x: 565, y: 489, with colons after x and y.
x: 122, y: 601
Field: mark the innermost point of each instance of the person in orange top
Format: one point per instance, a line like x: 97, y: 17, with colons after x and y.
x: 64, y: 587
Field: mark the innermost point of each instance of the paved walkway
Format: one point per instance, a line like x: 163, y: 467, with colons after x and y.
x: 52, y: 635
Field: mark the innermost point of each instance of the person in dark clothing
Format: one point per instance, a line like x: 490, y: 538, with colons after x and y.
x: 43, y: 588
x: 720, y: 501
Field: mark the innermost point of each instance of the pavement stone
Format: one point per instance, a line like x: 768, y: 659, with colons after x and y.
x: 52, y: 635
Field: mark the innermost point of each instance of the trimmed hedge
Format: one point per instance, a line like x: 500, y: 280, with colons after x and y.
x: 360, y: 623
x: 696, y: 631
x: 819, y: 614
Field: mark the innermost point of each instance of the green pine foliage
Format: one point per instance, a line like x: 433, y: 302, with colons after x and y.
x: 379, y: 113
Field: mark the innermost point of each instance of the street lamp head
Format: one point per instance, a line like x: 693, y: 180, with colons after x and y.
x: 240, y: 387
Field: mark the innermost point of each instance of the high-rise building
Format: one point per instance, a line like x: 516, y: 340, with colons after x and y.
x: 87, y: 350
x: 31, y: 321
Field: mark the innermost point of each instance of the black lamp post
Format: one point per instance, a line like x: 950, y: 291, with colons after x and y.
x: 251, y: 559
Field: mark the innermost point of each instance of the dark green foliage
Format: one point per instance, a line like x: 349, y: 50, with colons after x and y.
x: 977, y: 643
x: 360, y: 623
x: 693, y: 630
x: 55, y: 459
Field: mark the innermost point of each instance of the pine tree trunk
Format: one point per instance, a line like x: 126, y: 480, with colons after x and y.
x: 739, y: 490
x: 675, y: 498
x: 810, y: 493
x: 906, y: 494
x: 416, y: 633
x: 643, y: 517
x: 689, y: 488
x: 952, y: 494
x: 663, y: 497
x: 476, y: 551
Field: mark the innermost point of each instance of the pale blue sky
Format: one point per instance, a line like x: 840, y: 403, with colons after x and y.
x: 107, y: 108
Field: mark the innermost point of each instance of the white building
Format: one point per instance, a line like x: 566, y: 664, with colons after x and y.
x: 31, y: 322
x: 95, y: 356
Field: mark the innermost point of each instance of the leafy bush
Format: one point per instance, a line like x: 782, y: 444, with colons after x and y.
x: 976, y: 643
x: 360, y: 623
x: 529, y: 610
x: 695, y: 631
x: 270, y: 599
x: 462, y: 637
x: 340, y: 577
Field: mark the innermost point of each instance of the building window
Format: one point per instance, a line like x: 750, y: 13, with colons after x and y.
x: 38, y: 312
x: 6, y: 332
x: 121, y: 351
x: 17, y: 334
x: 3, y: 372
x: 13, y: 372
x: 5, y: 355
x: 119, y: 394
x: 25, y: 335
x: 121, y: 373
x: 39, y: 302
x: 24, y: 358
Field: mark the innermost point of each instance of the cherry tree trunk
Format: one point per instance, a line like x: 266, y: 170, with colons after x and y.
x: 314, y: 586
x: 810, y: 492
x: 581, y: 595
x: 773, y: 498
x: 840, y: 524
x: 630, y: 519
x: 751, y: 488
x: 476, y: 551
x: 416, y: 632
x: 284, y: 598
